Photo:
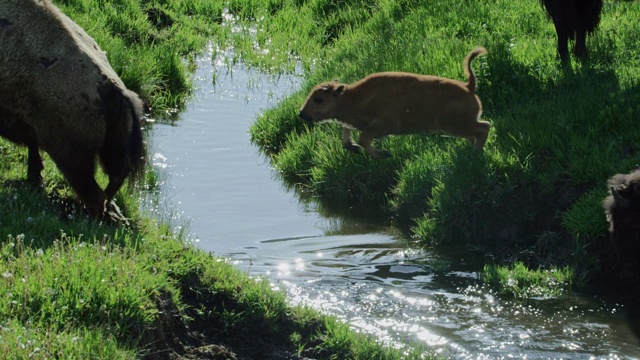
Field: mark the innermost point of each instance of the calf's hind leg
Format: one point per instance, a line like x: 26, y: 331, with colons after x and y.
x: 481, y: 134
x: 365, y: 141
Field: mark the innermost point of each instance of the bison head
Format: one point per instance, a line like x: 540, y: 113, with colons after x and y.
x: 625, y: 190
x: 322, y: 102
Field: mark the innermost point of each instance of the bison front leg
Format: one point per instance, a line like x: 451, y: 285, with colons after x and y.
x: 347, y: 143
x: 34, y: 166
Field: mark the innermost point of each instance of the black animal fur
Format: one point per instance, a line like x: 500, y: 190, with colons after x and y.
x: 573, y: 19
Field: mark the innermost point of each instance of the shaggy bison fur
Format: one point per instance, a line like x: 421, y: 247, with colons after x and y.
x: 573, y: 19
x: 58, y: 93
x: 622, y: 209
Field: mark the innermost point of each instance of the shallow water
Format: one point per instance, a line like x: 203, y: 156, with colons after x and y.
x: 366, y: 274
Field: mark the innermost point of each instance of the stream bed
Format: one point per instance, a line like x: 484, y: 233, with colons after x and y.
x: 218, y: 184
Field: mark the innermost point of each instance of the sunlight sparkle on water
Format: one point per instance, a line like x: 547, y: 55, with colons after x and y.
x: 159, y: 161
x: 285, y: 268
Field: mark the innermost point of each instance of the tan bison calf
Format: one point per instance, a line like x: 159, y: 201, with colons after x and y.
x: 396, y: 103
x: 59, y: 93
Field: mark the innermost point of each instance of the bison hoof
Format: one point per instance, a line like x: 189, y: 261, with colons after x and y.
x: 380, y: 154
x: 352, y: 147
x: 114, y: 215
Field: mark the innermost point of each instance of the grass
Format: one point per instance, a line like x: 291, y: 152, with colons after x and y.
x: 72, y: 287
x: 521, y: 282
x: 147, y: 41
x: 558, y: 132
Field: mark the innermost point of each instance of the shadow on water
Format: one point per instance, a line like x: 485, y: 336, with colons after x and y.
x: 354, y: 267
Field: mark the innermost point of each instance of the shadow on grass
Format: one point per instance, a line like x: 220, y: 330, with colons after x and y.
x: 568, y: 136
x: 42, y: 214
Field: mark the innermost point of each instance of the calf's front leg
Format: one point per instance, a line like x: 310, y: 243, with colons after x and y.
x: 347, y: 143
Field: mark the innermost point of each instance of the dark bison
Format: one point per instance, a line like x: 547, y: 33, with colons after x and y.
x: 622, y: 209
x: 573, y: 19
x: 59, y: 93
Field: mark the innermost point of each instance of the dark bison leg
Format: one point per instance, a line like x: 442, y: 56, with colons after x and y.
x: 114, y: 159
x: 115, y: 165
x: 580, y: 49
x: 563, y: 40
x: 23, y: 134
x: 34, y: 167
x: 78, y: 166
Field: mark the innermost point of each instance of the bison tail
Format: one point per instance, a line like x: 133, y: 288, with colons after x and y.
x: 471, y: 77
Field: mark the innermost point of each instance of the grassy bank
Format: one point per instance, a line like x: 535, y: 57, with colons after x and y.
x: 75, y: 288
x: 558, y: 133
x: 95, y: 291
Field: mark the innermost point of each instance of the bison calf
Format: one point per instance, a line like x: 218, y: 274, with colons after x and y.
x: 59, y: 93
x: 400, y: 103
x: 573, y: 19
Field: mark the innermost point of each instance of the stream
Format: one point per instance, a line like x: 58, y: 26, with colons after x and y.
x: 217, y: 184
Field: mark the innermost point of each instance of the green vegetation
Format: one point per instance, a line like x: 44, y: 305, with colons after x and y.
x: 558, y: 132
x: 148, y: 41
x: 521, y: 282
x: 72, y: 287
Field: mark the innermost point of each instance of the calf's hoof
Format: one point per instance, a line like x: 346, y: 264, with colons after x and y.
x: 352, y: 148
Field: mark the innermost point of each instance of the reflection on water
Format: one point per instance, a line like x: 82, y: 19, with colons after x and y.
x: 357, y: 270
x: 397, y: 293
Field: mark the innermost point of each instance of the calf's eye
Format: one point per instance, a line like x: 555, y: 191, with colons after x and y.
x: 317, y: 100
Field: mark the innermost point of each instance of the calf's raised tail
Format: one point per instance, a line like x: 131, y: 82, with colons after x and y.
x: 471, y: 77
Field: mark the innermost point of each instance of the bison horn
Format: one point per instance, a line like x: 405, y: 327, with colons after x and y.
x: 622, y: 202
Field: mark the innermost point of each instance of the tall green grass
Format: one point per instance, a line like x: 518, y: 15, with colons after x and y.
x: 558, y: 132
x: 518, y: 280
x: 147, y: 41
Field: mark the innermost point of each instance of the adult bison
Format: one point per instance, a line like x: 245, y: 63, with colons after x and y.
x: 622, y: 209
x: 59, y: 93
x: 573, y: 19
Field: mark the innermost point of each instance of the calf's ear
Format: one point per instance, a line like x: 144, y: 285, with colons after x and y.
x: 339, y: 90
